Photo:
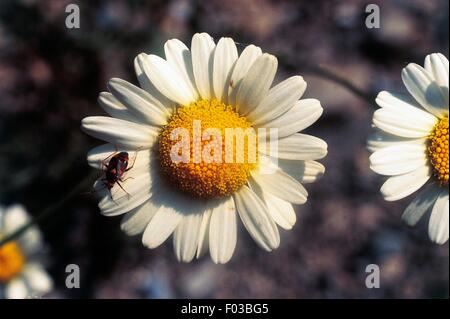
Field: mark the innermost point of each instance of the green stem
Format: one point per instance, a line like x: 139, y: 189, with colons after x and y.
x: 50, y: 210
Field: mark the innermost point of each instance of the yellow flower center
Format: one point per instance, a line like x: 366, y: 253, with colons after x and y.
x: 438, y: 150
x: 11, y: 261
x: 207, y: 149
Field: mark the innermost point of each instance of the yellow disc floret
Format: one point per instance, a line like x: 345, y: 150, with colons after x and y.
x: 438, y: 151
x: 207, y: 149
x: 11, y: 261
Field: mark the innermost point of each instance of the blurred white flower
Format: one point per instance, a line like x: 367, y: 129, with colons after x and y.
x: 411, y: 144
x: 199, y: 201
x: 21, y: 272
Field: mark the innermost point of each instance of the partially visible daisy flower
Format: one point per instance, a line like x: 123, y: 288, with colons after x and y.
x: 199, y: 201
x: 411, y: 144
x: 21, y: 272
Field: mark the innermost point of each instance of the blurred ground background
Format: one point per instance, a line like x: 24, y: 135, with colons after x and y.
x: 50, y: 77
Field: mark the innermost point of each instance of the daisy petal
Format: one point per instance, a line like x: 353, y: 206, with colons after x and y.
x: 120, y: 132
x: 424, y: 89
x: 280, y: 210
x: 283, y: 186
x: 174, y: 207
x: 280, y: 99
x: 300, y: 116
x: 400, y: 186
x: 225, y: 56
x: 302, y: 171
x: 147, y: 85
x: 179, y: 57
x: 15, y: 217
x: 166, y: 79
x: 421, y: 204
x: 113, y: 107
x: 300, y: 147
x: 136, y: 189
x: 222, y: 231
x: 137, y: 219
x: 203, y: 236
x: 437, y: 66
x: 185, y: 237
x: 381, y: 139
x: 16, y: 289
x: 398, y: 159
x: 37, y: 279
x: 243, y: 64
x: 139, y: 103
x: 256, y: 83
x: 202, y: 48
x: 439, y: 220
x: 161, y: 226
x: 97, y: 156
x: 412, y: 124
x: 256, y: 219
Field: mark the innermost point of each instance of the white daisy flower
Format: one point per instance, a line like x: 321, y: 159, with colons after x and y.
x: 200, y: 201
x: 21, y: 272
x: 411, y: 144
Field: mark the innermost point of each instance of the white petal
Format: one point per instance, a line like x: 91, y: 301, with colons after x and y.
x: 120, y: 132
x: 14, y: 218
x: 167, y: 80
x: 97, y: 156
x: 282, y: 185
x: 161, y: 226
x: 280, y: 99
x: 135, y: 221
x: 222, y: 231
x: 174, y: 207
x: 302, y: 171
x: 421, y: 204
x: 243, y: 64
x: 16, y: 289
x: 281, y: 211
x: 303, y: 114
x: 256, y: 83
x: 412, y: 124
x: 202, y: 48
x: 139, y: 103
x: 136, y: 190
x: 203, y: 237
x: 300, y: 147
x: 179, y: 57
x: 185, y: 237
x: 225, y: 56
x: 438, y: 225
x: 424, y: 89
x: 400, y: 186
x: 437, y: 66
x: 256, y: 219
x: 381, y: 139
x: 397, y: 101
x: 113, y: 107
x: 38, y: 279
x: 398, y: 159
x: 147, y: 85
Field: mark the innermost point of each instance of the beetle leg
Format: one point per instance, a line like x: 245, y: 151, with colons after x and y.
x: 123, y: 190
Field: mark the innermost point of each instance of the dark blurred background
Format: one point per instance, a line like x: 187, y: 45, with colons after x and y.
x: 50, y: 77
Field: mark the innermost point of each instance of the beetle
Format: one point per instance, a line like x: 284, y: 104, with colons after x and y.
x: 115, y: 168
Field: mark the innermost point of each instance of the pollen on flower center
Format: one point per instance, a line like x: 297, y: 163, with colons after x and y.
x: 213, y: 146
x: 438, y: 151
x: 11, y: 261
